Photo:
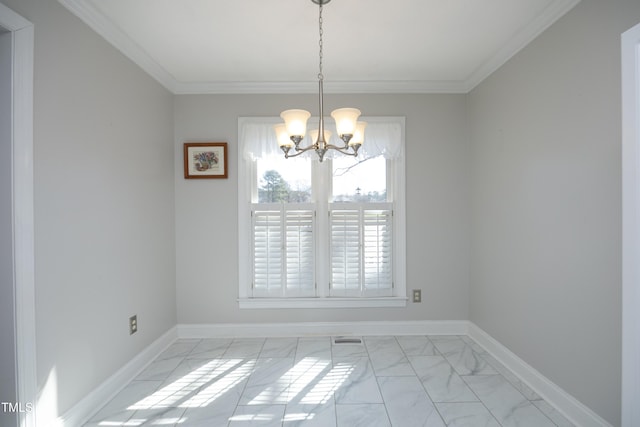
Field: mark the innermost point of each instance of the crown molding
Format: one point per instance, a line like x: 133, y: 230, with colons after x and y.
x: 551, y: 14
x: 105, y: 28
x: 360, y: 87
x: 112, y: 34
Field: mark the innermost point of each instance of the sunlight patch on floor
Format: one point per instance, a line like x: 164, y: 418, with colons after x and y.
x: 292, y: 382
x: 221, y: 386
x: 323, y: 391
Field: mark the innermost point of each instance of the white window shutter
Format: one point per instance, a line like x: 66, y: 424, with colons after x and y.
x: 300, y: 252
x: 267, y: 252
x: 345, y: 247
x: 283, y: 250
x: 361, y: 244
x: 378, y: 241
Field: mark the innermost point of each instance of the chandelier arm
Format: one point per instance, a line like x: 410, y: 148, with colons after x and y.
x: 343, y: 150
x: 300, y: 151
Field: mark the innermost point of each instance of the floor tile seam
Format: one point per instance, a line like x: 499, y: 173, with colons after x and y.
x: 384, y: 403
x: 475, y: 402
x: 243, y: 356
x: 162, y: 381
x: 184, y: 410
x: 425, y: 392
x: 201, y: 341
x: 134, y: 412
x: 241, y: 392
x: 191, y: 394
x: 480, y: 400
x: 436, y: 351
x: 508, y: 382
x: 475, y: 355
x: 516, y: 377
x: 422, y: 384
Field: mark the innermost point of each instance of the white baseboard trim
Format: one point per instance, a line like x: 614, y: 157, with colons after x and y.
x: 567, y: 405
x: 259, y: 330
x: 88, y: 406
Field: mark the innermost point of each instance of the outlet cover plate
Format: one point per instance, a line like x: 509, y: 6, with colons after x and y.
x: 133, y: 324
x: 417, y: 295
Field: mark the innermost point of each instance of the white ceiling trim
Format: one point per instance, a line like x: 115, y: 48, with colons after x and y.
x: 380, y: 87
x: 105, y: 28
x: 550, y: 15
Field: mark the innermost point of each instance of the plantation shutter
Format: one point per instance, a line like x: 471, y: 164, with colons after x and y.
x: 300, y: 253
x: 361, y: 249
x: 345, y: 247
x: 378, y: 271
x: 283, y: 250
x: 267, y: 256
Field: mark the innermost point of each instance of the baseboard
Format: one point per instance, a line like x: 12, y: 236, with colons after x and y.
x: 428, y: 327
x: 87, y: 407
x: 567, y: 405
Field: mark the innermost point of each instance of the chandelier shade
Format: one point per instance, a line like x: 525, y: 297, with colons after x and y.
x: 346, y: 119
x: 295, y: 122
x: 358, y: 134
x: 282, y: 135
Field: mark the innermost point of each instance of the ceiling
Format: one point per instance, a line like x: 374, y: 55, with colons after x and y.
x: 370, y: 46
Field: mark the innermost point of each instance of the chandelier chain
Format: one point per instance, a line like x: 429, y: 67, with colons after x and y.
x: 320, y: 75
x: 295, y: 121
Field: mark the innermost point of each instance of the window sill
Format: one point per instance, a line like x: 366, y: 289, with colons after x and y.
x: 331, y: 302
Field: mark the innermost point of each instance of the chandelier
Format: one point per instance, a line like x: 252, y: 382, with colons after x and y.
x: 292, y: 131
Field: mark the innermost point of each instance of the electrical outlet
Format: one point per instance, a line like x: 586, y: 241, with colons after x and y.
x: 133, y: 324
x: 417, y: 295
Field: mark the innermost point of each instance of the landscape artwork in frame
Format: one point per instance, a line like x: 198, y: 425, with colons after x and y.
x: 204, y: 160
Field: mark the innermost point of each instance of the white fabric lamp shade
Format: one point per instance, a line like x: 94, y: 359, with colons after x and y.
x: 345, y: 120
x: 282, y: 136
x: 296, y: 121
x: 358, y: 135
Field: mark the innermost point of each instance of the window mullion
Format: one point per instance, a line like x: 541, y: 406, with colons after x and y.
x: 321, y: 179
x: 362, y: 248
x: 283, y: 250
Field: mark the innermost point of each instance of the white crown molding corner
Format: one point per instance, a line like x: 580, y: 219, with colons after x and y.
x: 550, y: 15
x: 113, y: 35
x: 567, y: 405
x: 82, y: 412
x: 263, y: 330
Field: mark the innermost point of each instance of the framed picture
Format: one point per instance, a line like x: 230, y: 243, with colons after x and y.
x: 205, y: 160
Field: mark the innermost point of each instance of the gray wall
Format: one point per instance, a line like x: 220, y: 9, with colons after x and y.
x: 104, y: 220
x: 437, y: 208
x: 7, y: 294
x: 546, y: 188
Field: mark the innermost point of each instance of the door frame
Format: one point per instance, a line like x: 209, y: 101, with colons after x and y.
x: 631, y: 227
x: 22, y: 209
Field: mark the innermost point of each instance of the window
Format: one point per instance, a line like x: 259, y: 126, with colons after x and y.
x: 327, y: 234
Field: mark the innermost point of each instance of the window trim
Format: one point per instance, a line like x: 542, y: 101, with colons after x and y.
x: 247, y: 172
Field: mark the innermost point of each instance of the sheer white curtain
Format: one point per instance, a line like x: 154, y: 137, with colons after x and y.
x: 383, y: 136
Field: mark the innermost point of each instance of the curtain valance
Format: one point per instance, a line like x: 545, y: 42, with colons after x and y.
x: 383, y: 136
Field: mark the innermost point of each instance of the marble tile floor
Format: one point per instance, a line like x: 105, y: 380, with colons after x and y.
x: 399, y: 381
